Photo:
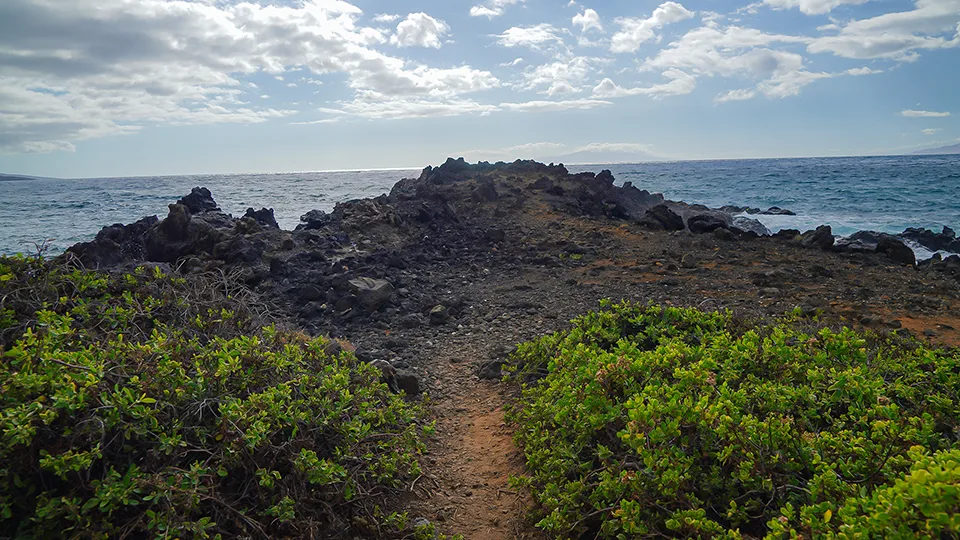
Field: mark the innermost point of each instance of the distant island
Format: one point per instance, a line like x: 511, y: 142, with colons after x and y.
x: 588, y: 156
x: 16, y: 177
x: 950, y: 149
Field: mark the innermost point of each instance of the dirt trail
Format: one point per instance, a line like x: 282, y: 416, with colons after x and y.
x: 473, y: 457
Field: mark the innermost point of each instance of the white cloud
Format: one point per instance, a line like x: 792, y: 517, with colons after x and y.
x: 386, y: 18
x: 420, y: 30
x: 634, y: 31
x: 533, y: 37
x: 72, y: 71
x: 333, y: 120
x: 565, y: 76
x: 492, y: 8
x: 545, y: 106
x: 736, y: 95
x: 680, y: 83
x: 520, y: 151
x: 789, y: 83
x: 514, y: 62
x: 910, y: 113
x: 932, y: 24
x: 615, y: 147
x: 739, y: 52
x: 812, y: 7
x: 749, y: 9
x: 857, y: 72
x: 931, y: 131
x: 395, y: 109
x: 541, y: 150
x: 588, y: 20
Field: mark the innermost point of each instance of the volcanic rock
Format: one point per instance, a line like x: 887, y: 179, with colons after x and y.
x: 199, y: 200
x: 750, y: 226
x: 661, y: 218
x: 263, y: 216
x: 705, y: 223
x: 371, y: 293
x: 896, y: 250
x: 439, y: 315
x: 821, y: 238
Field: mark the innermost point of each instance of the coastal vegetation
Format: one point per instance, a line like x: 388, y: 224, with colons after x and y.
x: 141, y: 404
x: 648, y: 421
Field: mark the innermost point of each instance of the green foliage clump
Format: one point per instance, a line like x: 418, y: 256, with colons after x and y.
x: 651, y: 421
x: 142, y: 405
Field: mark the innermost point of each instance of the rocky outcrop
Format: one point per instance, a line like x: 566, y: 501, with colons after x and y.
x: 859, y: 242
x: 876, y: 242
x: 199, y: 200
x: 820, y: 238
x: 263, y: 216
x: 115, y: 245
x: 750, y: 227
x: 661, y: 218
x: 706, y: 223
x: 896, y: 250
x: 946, y: 240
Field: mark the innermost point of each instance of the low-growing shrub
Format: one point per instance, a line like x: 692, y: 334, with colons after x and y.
x: 650, y: 421
x: 143, y: 405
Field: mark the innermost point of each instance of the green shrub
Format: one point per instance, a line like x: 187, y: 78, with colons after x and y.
x: 145, y: 405
x: 652, y: 421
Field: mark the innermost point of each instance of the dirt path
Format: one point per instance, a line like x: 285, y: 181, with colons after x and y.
x: 473, y: 457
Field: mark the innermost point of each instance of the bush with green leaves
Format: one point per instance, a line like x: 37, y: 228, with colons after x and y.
x: 646, y: 421
x: 140, y: 404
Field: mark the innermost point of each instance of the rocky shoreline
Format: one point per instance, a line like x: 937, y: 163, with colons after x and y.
x: 399, y: 261
x: 438, y: 280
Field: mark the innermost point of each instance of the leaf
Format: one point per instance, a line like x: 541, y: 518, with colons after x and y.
x: 827, y: 515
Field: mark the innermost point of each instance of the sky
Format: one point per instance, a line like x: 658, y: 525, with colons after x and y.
x: 149, y: 87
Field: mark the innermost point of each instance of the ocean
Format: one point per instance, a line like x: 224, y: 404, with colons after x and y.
x: 884, y: 194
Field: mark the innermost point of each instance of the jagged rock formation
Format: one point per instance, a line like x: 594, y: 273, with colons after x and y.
x: 367, y: 258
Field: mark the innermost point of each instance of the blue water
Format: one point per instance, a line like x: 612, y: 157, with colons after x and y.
x: 877, y: 193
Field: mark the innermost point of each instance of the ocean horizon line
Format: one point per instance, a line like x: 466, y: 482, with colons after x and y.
x: 542, y: 160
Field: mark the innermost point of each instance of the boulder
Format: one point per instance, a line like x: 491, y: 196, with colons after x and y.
x: 705, y: 223
x: 115, y: 244
x: 749, y: 226
x: 199, y: 200
x: 485, y: 191
x: 787, y: 234
x: 877, y: 242
x: 821, y: 238
x: 946, y: 240
x: 661, y: 218
x: 314, y: 219
x: 263, y: 216
x: 371, y: 293
x: 439, y: 315
x: 859, y: 242
x: 896, y: 250
x: 408, y: 383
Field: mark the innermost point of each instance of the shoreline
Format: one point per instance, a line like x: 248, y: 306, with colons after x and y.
x: 440, y: 279
x: 483, y: 216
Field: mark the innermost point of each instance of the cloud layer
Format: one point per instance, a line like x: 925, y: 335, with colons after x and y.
x: 85, y: 69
